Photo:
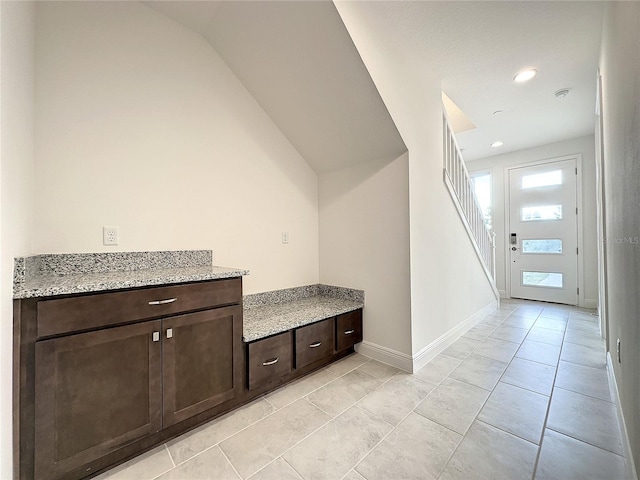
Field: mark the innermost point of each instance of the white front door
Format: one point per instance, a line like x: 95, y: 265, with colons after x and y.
x: 543, y: 233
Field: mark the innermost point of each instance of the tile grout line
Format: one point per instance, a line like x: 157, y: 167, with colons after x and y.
x: 393, y: 428
x: 331, y: 418
x: 276, y: 409
x: 446, y: 464
x: 584, y: 394
x: 304, y: 398
x: 546, y: 417
x: 170, y: 456
x: 262, y: 397
x: 483, y: 405
x: 292, y: 467
x: 230, y: 463
x: 585, y: 442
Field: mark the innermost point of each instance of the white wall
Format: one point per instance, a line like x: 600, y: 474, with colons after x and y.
x: 16, y: 173
x: 448, y: 285
x: 364, y: 243
x: 141, y: 125
x: 498, y: 165
x: 620, y: 70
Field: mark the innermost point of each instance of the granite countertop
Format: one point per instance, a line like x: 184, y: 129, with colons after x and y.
x: 263, y: 321
x: 265, y: 313
x: 64, y: 274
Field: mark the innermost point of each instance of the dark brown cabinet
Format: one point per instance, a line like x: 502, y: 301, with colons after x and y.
x: 95, y: 391
x: 314, y: 342
x: 102, y: 390
x: 101, y: 377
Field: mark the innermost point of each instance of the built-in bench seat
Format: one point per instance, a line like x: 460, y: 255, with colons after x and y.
x: 291, y: 332
x: 269, y: 313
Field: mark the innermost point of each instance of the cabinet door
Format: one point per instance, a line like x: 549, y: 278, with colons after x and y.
x: 95, y: 392
x: 202, y: 361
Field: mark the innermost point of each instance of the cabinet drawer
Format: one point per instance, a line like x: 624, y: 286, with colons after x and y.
x: 269, y: 359
x: 67, y: 315
x: 348, y: 330
x: 314, y: 342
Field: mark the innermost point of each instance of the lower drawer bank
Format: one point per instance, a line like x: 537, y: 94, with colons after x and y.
x: 92, y: 394
x: 281, y: 357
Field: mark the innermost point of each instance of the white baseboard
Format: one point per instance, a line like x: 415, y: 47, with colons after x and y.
x: 386, y: 355
x: 428, y: 353
x: 590, y: 303
x: 632, y: 473
x: 503, y: 293
x: 414, y: 363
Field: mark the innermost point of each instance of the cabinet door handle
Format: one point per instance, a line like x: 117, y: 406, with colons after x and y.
x: 273, y: 361
x: 169, y: 332
x: 315, y: 345
x: 155, y: 336
x: 348, y: 332
x: 163, y: 302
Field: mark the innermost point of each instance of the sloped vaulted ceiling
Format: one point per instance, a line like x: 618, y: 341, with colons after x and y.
x: 299, y: 62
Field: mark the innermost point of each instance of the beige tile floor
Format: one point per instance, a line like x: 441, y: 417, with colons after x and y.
x: 523, y: 394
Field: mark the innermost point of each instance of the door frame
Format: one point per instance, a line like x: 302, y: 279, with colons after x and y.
x: 507, y: 215
x: 601, y: 219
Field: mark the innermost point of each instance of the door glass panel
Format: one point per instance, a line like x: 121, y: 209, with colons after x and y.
x: 545, y: 179
x: 546, y: 245
x: 542, y: 279
x: 543, y: 212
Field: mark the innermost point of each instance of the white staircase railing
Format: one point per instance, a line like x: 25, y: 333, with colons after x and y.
x: 458, y: 181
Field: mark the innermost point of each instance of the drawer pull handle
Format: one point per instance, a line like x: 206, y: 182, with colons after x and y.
x: 162, y: 302
x: 273, y: 361
x: 315, y: 345
x: 155, y: 336
x: 349, y: 332
x: 169, y: 332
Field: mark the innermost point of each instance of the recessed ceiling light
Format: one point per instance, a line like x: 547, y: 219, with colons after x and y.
x: 525, y: 75
x: 497, y: 144
x: 497, y: 112
x: 563, y: 92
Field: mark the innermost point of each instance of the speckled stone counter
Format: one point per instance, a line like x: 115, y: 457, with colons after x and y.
x: 64, y: 274
x: 274, y: 312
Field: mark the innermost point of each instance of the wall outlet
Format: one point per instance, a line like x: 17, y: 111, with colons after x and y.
x: 110, y: 235
x: 285, y: 237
